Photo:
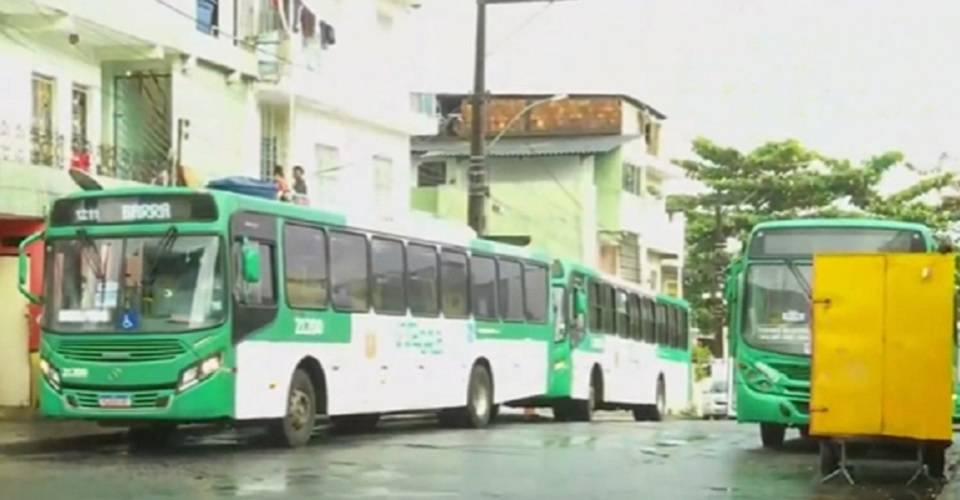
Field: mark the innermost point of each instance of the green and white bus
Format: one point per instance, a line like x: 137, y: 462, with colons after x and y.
x: 768, y: 291
x: 165, y: 306
x: 617, y: 347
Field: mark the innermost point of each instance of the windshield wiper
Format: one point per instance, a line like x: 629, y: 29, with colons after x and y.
x: 91, y: 253
x: 166, y: 243
x: 800, y: 279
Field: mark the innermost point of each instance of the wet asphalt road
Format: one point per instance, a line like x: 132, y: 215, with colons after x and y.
x: 610, y: 458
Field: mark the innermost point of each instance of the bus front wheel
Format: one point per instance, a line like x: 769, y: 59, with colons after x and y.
x: 296, y: 427
x: 581, y: 410
x: 771, y: 435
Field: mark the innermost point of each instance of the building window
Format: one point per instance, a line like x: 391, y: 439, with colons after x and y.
x: 631, y: 178
x: 387, y: 270
x: 422, y: 280
x: 327, y: 166
x: 208, y: 16
x: 432, y: 173
x: 305, y: 266
x: 348, y: 271
x: 79, y: 140
x: 42, y: 131
x: 382, y: 179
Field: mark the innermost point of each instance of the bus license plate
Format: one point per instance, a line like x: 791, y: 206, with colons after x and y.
x: 115, y: 401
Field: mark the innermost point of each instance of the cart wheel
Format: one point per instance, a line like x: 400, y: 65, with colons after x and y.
x: 829, y: 457
x: 934, y: 458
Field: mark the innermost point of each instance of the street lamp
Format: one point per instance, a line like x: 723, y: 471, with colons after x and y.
x: 527, y: 108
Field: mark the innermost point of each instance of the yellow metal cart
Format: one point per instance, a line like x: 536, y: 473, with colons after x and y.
x: 883, y: 342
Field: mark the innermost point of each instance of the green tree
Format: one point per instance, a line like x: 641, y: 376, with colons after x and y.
x: 782, y: 180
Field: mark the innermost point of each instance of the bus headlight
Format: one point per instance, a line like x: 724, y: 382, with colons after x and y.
x: 50, y: 373
x: 199, y: 371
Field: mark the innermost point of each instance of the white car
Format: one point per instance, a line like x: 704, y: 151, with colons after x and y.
x: 714, y: 402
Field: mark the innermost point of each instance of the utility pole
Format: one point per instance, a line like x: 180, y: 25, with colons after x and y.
x: 477, y: 173
x: 719, y: 341
x: 478, y: 190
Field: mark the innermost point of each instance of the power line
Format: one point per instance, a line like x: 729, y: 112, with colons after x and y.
x: 520, y: 27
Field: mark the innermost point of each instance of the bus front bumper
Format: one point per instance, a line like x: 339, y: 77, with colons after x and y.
x: 759, y: 407
x: 209, y: 400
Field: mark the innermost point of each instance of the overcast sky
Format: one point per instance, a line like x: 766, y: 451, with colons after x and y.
x: 850, y: 78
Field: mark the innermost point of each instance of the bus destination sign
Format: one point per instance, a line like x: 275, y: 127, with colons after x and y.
x: 133, y: 209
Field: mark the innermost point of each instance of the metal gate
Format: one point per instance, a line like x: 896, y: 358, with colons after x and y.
x: 142, y: 132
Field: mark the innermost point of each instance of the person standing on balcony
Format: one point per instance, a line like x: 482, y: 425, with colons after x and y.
x: 283, y: 187
x: 299, y: 185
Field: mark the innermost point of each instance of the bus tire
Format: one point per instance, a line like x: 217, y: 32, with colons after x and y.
x: 151, y: 437
x: 561, y: 411
x: 355, y: 423
x: 479, y: 410
x: 934, y: 459
x: 829, y: 457
x: 581, y: 410
x: 771, y: 435
x: 660, y: 408
x: 296, y: 427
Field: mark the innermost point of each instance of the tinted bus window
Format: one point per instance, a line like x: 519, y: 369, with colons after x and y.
x: 348, y: 266
x: 387, y: 268
x: 510, y: 290
x: 454, y: 286
x: 648, y: 320
x: 422, y: 280
x: 596, y: 307
x: 483, y: 292
x: 535, y: 292
x: 623, y: 317
x: 305, y: 266
x: 633, y: 311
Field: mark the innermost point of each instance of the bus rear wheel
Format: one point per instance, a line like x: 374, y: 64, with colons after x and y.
x: 479, y: 398
x: 296, y: 427
x: 771, y: 435
x: 479, y: 410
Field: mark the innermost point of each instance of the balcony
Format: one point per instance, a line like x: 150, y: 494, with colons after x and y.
x: 647, y: 216
x: 124, y: 29
x: 34, y: 166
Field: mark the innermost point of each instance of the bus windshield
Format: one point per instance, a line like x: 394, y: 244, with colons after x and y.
x: 778, y: 308
x: 154, y: 284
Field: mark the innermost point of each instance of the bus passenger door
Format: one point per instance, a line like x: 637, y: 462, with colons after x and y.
x: 568, y: 329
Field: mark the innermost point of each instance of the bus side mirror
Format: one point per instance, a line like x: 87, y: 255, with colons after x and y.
x: 580, y: 307
x: 250, y: 262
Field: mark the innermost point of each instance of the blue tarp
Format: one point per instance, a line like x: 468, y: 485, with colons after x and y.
x: 249, y: 186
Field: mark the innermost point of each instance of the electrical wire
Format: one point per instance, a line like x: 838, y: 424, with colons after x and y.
x: 520, y: 27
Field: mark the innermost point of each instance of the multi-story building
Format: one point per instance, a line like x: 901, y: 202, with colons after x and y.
x: 579, y: 175
x: 126, y: 90
x: 335, y: 98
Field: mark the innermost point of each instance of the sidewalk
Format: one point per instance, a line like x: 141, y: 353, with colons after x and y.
x: 23, y: 429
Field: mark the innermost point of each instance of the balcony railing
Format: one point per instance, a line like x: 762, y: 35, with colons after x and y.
x: 22, y: 144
